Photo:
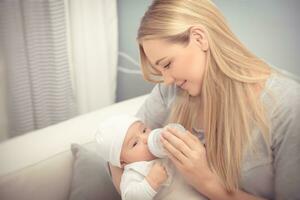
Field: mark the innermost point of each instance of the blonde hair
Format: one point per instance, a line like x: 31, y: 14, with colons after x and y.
x: 232, y: 107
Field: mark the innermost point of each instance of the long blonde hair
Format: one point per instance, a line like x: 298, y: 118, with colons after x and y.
x: 232, y: 107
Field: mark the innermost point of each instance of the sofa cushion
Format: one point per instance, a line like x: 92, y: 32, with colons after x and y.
x: 48, y: 179
x: 90, y: 178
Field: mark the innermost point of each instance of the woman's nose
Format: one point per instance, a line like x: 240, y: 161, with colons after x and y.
x: 168, y: 79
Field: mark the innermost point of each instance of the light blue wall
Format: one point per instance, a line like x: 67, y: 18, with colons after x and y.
x: 130, y: 13
x: 269, y: 28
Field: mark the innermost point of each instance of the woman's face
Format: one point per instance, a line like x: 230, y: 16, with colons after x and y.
x: 178, y: 64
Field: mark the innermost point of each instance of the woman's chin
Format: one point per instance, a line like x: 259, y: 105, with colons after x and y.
x: 193, y: 93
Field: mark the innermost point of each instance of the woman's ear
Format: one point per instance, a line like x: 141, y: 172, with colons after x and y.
x: 198, y: 34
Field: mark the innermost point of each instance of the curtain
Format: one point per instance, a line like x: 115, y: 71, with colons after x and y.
x: 94, y: 39
x: 3, y: 116
x: 59, y: 59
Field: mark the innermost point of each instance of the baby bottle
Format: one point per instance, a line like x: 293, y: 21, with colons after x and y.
x: 154, y: 143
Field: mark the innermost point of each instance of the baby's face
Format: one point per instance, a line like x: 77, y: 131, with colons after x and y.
x: 135, y: 147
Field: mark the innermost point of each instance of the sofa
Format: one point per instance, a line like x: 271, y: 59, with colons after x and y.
x: 39, y: 165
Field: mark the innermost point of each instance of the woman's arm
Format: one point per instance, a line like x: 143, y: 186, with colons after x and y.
x: 213, y: 189
x: 155, y: 109
x: 116, y: 174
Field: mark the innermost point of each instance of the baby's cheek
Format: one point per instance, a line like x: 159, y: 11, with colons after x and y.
x: 148, y: 154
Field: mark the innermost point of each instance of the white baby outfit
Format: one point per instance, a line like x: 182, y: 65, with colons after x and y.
x: 135, y: 187
x: 110, y: 136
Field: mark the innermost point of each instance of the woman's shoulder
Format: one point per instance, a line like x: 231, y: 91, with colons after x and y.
x: 156, y: 107
x: 281, y: 94
x: 285, y: 137
x: 282, y: 100
x: 282, y: 83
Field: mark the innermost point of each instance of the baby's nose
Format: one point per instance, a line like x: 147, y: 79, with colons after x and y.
x: 145, y: 138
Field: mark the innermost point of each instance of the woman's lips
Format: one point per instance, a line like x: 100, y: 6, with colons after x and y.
x: 183, y: 84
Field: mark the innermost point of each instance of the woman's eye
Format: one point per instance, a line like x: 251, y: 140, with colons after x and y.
x: 167, y: 66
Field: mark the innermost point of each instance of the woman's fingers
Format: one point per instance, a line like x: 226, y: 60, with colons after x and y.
x: 188, y: 138
x: 176, y: 143
x: 175, y: 154
x: 181, y: 146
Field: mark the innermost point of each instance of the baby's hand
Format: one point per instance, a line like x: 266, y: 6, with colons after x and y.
x: 157, y: 175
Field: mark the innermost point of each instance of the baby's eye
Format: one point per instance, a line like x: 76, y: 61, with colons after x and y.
x: 144, y: 130
x: 134, y: 144
x: 167, y: 66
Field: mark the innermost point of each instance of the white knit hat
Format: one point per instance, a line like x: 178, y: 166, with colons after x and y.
x: 110, y: 136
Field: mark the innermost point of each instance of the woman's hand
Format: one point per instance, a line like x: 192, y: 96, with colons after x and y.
x: 188, y: 155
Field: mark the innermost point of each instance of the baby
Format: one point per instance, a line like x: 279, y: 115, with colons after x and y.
x: 122, y: 141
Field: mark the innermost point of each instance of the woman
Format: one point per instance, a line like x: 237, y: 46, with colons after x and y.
x: 214, y: 86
